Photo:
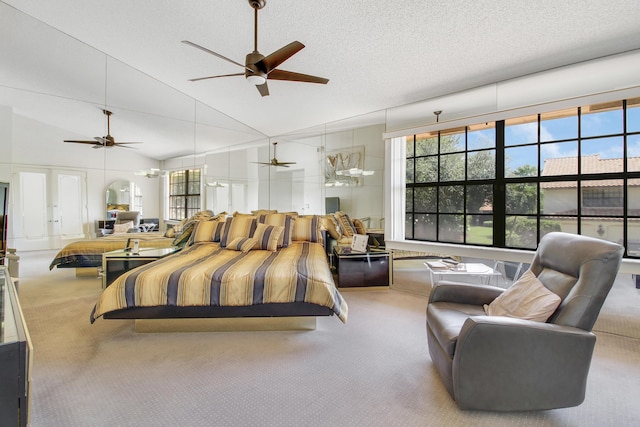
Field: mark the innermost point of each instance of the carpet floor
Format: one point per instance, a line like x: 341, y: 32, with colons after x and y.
x: 373, y: 371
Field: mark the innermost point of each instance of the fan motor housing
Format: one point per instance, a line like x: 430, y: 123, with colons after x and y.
x: 257, y: 4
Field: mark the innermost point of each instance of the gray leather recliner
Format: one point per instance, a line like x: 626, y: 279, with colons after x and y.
x: 507, y: 364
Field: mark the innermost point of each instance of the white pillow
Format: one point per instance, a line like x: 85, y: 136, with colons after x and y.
x: 122, y: 228
x: 526, y: 299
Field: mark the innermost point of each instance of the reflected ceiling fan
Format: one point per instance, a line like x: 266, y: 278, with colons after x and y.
x: 105, y: 141
x: 259, y: 68
x: 274, y: 161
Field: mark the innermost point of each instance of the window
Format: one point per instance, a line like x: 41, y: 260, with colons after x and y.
x: 184, y: 194
x: 508, y: 183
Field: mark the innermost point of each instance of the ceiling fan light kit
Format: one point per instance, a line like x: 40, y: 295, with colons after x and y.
x: 259, y: 68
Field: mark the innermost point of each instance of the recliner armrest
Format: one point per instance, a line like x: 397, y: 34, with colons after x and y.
x: 508, y: 364
x: 464, y: 293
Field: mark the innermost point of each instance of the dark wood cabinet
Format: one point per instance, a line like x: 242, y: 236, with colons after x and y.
x: 15, y: 357
x: 356, y: 269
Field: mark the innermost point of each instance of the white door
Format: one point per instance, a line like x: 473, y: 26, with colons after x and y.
x: 49, y: 208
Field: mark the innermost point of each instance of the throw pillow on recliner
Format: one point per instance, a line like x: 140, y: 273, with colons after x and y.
x: 526, y: 299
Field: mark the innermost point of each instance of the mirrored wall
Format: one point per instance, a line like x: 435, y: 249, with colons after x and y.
x: 341, y: 162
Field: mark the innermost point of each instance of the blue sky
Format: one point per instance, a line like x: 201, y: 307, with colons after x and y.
x: 604, y: 123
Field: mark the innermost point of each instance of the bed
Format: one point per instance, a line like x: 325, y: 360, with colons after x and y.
x: 88, y: 253
x: 220, y: 279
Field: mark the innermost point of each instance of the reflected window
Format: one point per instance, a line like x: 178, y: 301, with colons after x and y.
x: 184, y: 194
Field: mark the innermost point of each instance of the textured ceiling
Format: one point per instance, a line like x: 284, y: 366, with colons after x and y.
x: 377, y: 54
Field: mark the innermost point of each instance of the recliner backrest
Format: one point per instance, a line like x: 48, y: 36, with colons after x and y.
x: 126, y: 216
x: 579, y: 269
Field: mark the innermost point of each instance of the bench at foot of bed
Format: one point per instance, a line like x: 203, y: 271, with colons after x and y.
x: 236, y: 324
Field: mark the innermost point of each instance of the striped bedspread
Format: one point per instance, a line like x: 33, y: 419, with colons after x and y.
x: 88, y: 253
x: 207, y: 275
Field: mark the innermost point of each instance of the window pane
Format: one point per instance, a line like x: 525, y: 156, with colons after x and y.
x: 633, y: 237
x: 521, y: 199
x: 452, y: 167
x: 603, y: 228
x: 480, y: 229
x: 409, y: 171
x: 408, y: 207
x: 602, y: 198
x: 633, y: 115
x: 558, y: 223
x: 521, y: 161
x: 601, y: 119
x: 481, y: 165
x: 633, y: 153
x: 602, y: 155
x: 451, y: 199
x: 425, y: 227
x: 633, y: 197
x: 409, y: 146
x: 426, y: 144
x: 452, y: 140
x: 481, y: 136
x: 451, y: 228
x: 521, y: 130
x: 558, y: 125
x: 521, y: 232
x: 559, y: 158
x: 425, y: 199
x: 408, y: 226
x: 426, y: 169
x: 479, y: 199
x: 559, y: 198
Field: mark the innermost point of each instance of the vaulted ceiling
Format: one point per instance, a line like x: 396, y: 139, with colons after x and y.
x: 376, y: 55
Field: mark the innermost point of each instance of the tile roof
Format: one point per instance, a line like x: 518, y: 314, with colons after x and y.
x: 590, y: 165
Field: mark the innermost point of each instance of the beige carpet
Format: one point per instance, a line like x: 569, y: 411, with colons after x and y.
x: 374, y: 371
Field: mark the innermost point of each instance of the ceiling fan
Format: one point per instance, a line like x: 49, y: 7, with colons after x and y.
x: 274, y: 161
x: 105, y: 141
x: 259, y: 68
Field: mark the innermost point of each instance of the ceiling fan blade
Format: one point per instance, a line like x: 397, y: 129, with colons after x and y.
x: 214, y: 54
x: 285, y: 163
x: 82, y: 142
x: 124, y: 145
x: 296, y: 77
x: 270, y: 62
x: 215, y: 77
x: 263, y: 89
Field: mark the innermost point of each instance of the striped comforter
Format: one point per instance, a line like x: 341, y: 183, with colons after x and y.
x: 88, y: 253
x: 207, y: 275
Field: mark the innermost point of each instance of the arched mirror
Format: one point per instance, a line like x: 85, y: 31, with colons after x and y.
x: 123, y: 195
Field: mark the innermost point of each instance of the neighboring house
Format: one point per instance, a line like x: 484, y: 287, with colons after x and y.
x: 601, y: 200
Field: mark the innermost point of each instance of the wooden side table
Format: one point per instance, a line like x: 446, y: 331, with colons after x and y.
x: 361, y: 269
x: 116, y: 263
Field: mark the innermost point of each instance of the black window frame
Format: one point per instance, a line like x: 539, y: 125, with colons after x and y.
x: 184, y: 193
x: 500, y: 184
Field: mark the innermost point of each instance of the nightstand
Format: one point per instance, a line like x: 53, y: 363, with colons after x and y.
x: 116, y: 263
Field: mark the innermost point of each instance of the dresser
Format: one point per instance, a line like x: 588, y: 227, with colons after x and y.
x: 15, y: 356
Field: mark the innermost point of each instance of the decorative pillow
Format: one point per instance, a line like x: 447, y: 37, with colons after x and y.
x: 307, y: 228
x: 264, y: 211
x: 170, y: 232
x: 242, y: 244
x: 207, y: 231
x: 345, y: 223
x: 237, y: 226
x: 285, y: 220
x: 267, y: 236
x: 122, y: 228
x: 184, y: 235
x: 359, y: 225
x: 329, y: 223
x: 526, y: 299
